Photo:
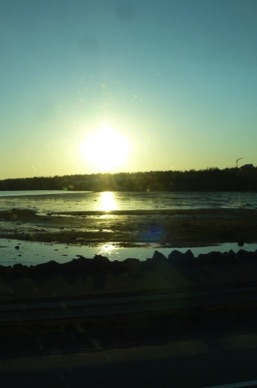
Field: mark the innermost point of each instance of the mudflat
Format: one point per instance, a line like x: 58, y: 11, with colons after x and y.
x: 172, y: 228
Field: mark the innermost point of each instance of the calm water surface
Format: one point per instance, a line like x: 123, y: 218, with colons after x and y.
x: 59, y: 201
x: 33, y: 253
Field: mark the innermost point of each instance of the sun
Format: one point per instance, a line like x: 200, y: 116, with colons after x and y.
x: 105, y: 149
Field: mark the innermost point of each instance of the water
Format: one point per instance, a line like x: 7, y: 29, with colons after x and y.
x: 33, y: 253
x: 59, y: 201
x: 30, y: 253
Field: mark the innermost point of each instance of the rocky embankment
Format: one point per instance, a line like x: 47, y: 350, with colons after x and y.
x: 84, y: 277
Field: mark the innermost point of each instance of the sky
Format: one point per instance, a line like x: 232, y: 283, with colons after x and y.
x: 91, y: 86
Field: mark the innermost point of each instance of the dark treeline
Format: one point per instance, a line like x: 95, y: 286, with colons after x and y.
x: 212, y: 179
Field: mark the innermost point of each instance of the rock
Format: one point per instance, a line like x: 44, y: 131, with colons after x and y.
x: 229, y: 258
x: 101, y: 263
x: 133, y: 267
x: 188, y: 255
x: 159, y: 257
x: 245, y: 256
x: 178, y: 258
x: 242, y: 254
x: 175, y: 256
x: 20, y: 270
x: 46, y: 270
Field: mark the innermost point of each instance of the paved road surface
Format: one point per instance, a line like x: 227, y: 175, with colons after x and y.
x: 123, y: 305
x: 204, y: 358
x: 198, y: 362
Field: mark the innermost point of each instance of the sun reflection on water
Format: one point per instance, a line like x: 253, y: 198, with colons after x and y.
x: 108, y: 201
x: 107, y: 250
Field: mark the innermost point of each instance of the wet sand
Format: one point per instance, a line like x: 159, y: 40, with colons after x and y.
x: 171, y: 228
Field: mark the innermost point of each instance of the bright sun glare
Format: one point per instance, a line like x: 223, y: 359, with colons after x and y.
x: 106, y: 149
x: 107, y: 201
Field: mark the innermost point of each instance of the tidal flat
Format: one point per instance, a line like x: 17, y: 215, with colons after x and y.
x: 171, y: 228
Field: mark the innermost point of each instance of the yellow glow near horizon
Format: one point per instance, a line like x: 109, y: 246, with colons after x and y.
x: 106, y: 149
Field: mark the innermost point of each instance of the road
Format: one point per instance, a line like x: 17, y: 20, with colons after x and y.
x: 202, y: 361
x: 205, y: 356
x: 124, y: 304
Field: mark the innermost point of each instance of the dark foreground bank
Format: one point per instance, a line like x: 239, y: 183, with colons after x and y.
x: 132, y: 348
x: 84, y: 277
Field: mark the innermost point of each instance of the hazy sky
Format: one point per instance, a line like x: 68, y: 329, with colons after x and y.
x: 173, y: 81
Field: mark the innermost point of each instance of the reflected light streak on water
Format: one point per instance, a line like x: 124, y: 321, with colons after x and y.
x: 108, y: 201
x: 47, y: 201
x: 107, y: 250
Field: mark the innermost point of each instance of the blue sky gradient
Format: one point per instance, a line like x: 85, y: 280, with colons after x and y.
x: 177, y: 78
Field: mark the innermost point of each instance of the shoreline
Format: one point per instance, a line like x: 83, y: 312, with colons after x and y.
x: 174, y: 228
